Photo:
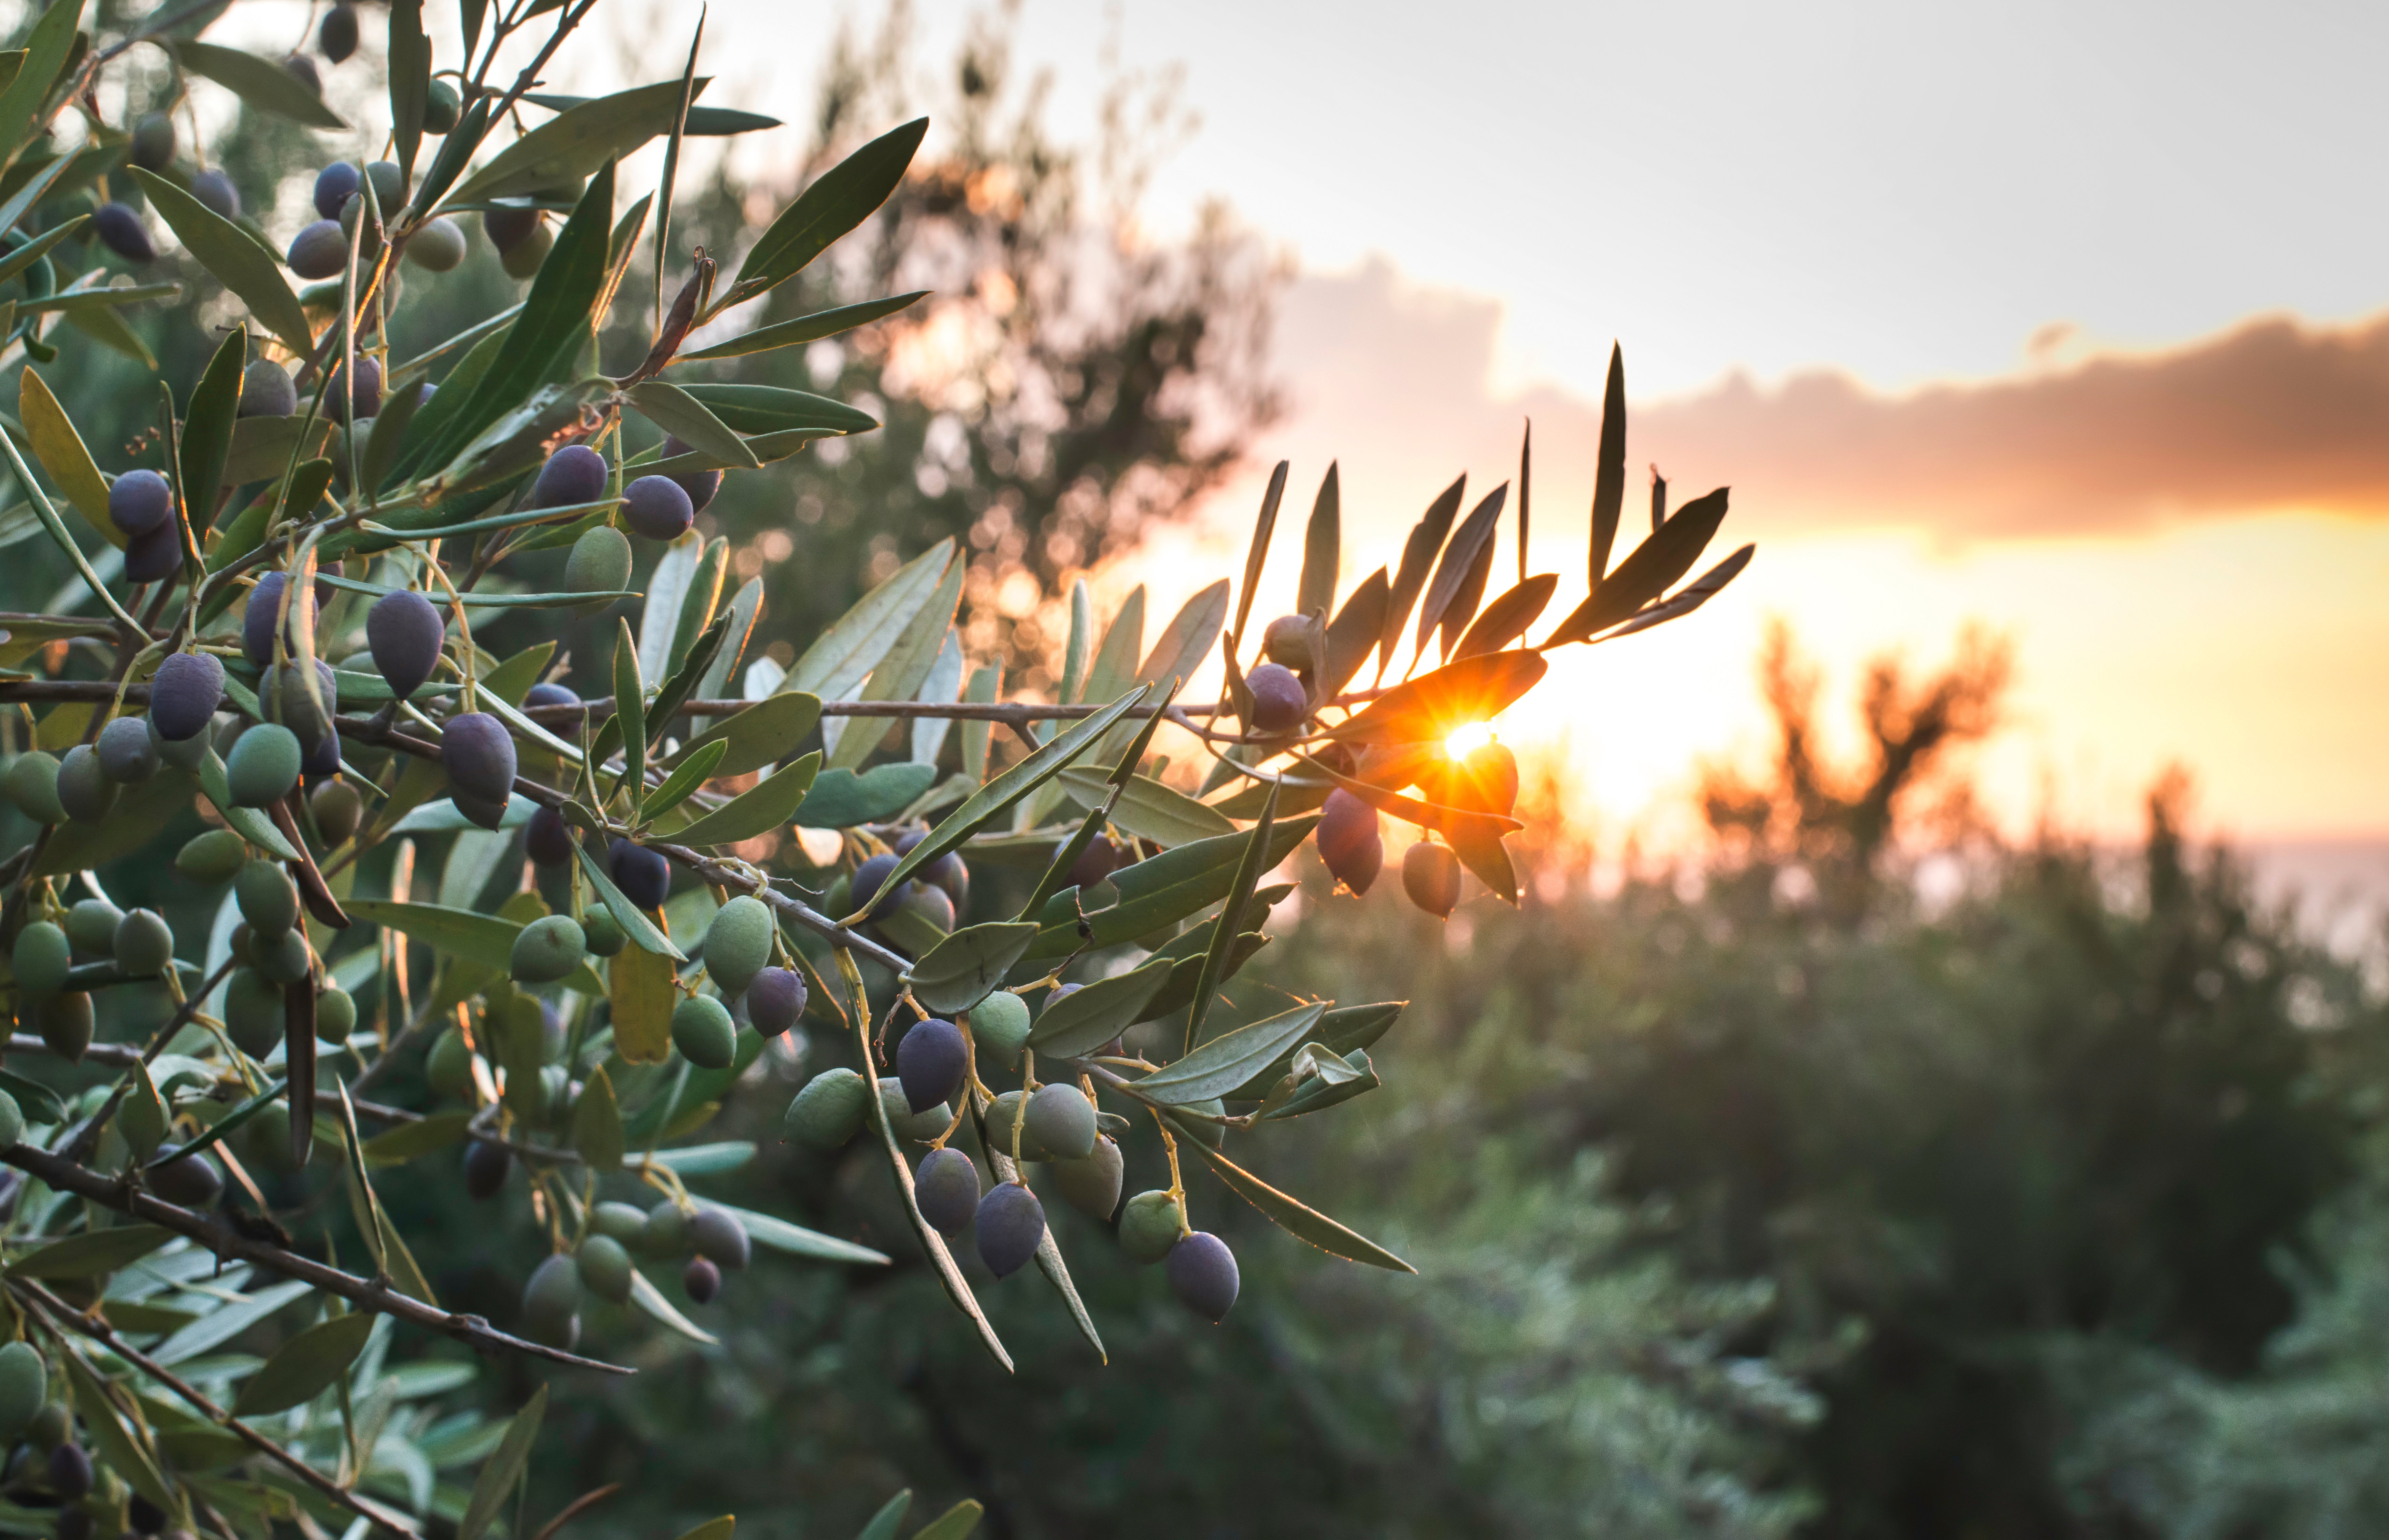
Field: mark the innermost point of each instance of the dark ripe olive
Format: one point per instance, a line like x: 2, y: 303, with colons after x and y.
x: 337, y: 38
x: 702, y: 1280
x: 1279, y: 700
x: 437, y: 246
x: 253, y: 1012
x: 364, y: 401
x: 335, y: 184
x: 1061, y: 1119
x: 284, y: 696
x: 143, y: 944
x: 642, y: 874
x: 574, y: 474
x: 266, y: 390
x: 190, y: 1181
x: 91, y: 927
x: 738, y: 943
x: 257, y: 620
x: 930, y: 1061
x: 302, y: 70
x: 215, y: 189
x: 657, y: 507
x: 1431, y: 876
x: 69, y: 1471
x: 947, y: 1190
x: 1011, y: 1221
x: 268, y: 899
x: 405, y: 630
x: 1092, y: 1185
x: 441, y: 108
x: 775, y: 998
x: 868, y: 879
x: 931, y: 904
x: 1287, y: 643
x: 145, y: 1517
x: 153, y: 147
x: 479, y: 756
x: 946, y: 872
x: 323, y: 760
x: 154, y: 557
x: 337, y: 808
x: 827, y: 1112
x: 126, y: 751
x: 479, y: 809
x: 702, y: 1030
x: 1097, y: 861
x: 85, y: 789
x: 121, y: 229
x: 1349, y: 841
x: 547, y: 839
x: 486, y: 1165
x: 140, y: 502
x: 549, y: 693
x: 319, y: 250
x: 1203, y: 1275
x: 508, y: 225
x: 700, y: 486
x: 65, y: 1022
x: 717, y: 1237
x: 189, y: 687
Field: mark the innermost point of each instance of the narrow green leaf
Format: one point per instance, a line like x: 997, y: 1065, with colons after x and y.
x: 1419, y: 552
x: 262, y: 83
x: 62, y: 453
x: 237, y: 261
x: 1646, y: 571
x: 413, y: 1140
x: 961, y: 970
x: 93, y: 1253
x: 900, y: 674
x: 575, y: 143
x: 496, y: 1482
x: 1322, y: 550
x: 118, y: 1445
x: 841, y: 799
x: 636, y: 924
x: 986, y: 684
x: 767, y: 1230
x: 765, y: 734
x: 488, y: 939
x: 651, y: 1300
x: 891, y: 1513
x: 306, y: 1366
x: 677, y: 413
x: 1161, y: 890
x: 839, y: 200
x: 956, y: 1522
x: 597, y: 1123
x: 206, y: 429
x: 629, y: 711
x: 770, y: 804
x: 1293, y: 1217
x: 1084, y: 1020
x: 762, y: 410
x: 47, y: 48
x: 683, y: 783
x: 1353, y: 633
x: 410, y: 82
x: 1231, y: 1058
x: 1147, y: 809
x: 1609, y: 472
x: 1463, y: 567
x: 805, y: 329
x: 247, y: 823
x: 1256, y: 861
x: 1257, y: 553
x: 1428, y: 708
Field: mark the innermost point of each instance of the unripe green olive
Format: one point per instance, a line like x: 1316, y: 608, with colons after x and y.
x: 24, y: 1385
x: 143, y: 944
x: 1093, y: 1184
x: 738, y: 943
x: 702, y: 1030
x: 600, y: 563
x: 1000, y: 1023
x: 602, y: 934
x: 1001, y: 1115
x: 91, y: 927
x: 268, y: 899
x: 828, y: 1111
x: 449, y: 1066
x: 264, y: 766
x: 211, y: 858
x: 621, y: 1221
x: 921, y: 1126
x: 285, y: 959
x: 604, y: 1267
x: 547, y: 949
x: 665, y: 1235
x: 1062, y: 1120
x: 32, y: 785
x: 41, y: 959
x: 253, y: 1011
x: 335, y: 1016
x: 1148, y: 1227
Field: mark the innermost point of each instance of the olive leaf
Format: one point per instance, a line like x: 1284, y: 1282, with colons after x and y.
x: 208, y: 428
x: 961, y: 970
x: 413, y: 1140
x: 261, y: 83
x: 503, y: 1469
x: 1257, y: 553
x: 91, y: 1254
x: 62, y: 453
x: 597, y: 1124
x: 1460, y: 577
x: 1428, y: 708
x: 117, y: 1443
x: 677, y: 413
x: 805, y: 329
x: 1344, y: 1030
x: 769, y: 804
x: 844, y: 654
x: 305, y: 1365
x: 1147, y: 809
x: 1161, y: 890
x: 1230, y: 1058
x: 651, y: 1300
x: 1087, y: 1018
x: 1322, y: 550
x: 956, y: 1522
x: 636, y: 924
x: 1418, y: 552
x: 683, y: 783
x: 841, y: 799
x: 1646, y: 571
x: 1609, y: 470
x: 1293, y: 1217
x: 575, y: 143
x: 764, y: 734
x: 899, y: 674
x: 1507, y: 617
x: 48, y: 49
x: 837, y: 200
x: 767, y: 1230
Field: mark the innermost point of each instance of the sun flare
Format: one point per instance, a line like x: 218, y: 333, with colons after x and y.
x: 1467, y: 739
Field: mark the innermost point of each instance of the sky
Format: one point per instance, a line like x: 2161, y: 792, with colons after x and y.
x: 2067, y: 320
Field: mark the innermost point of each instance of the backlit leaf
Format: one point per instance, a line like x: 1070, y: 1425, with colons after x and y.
x: 1507, y: 617
x: 1418, y: 559
x: 1322, y: 550
x: 496, y: 1482
x: 960, y: 970
x: 837, y: 200
x: 262, y: 82
x: 1429, y: 707
x: 1231, y: 1058
x: 771, y: 803
x: 1460, y: 577
x: 1646, y: 571
x: 677, y: 413
x: 1295, y: 1219
x: 805, y: 329
x: 597, y: 1124
x: 1085, y: 1019
x: 576, y: 142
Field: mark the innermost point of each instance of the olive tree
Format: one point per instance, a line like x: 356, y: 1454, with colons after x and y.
x: 443, y: 912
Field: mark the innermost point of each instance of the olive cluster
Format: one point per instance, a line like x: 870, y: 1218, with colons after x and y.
x: 49, y: 1468
x: 706, y: 1239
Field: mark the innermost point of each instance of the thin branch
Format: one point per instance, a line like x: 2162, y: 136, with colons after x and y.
x: 65, y: 1176
x: 60, y: 1314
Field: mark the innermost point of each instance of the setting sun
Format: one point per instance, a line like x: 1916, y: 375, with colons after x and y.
x: 1467, y: 739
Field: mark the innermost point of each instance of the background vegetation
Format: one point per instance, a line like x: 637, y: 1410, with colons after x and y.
x: 1760, y: 1198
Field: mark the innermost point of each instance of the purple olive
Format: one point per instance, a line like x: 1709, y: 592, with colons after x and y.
x: 154, y: 557
x: 657, y: 507
x: 183, y: 696
x: 548, y: 839
x: 642, y: 874
x: 1097, y: 861
x: 479, y: 756
x: 574, y: 474
x: 1011, y: 1222
x: 702, y: 1280
x: 1279, y: 700
x: 405, y: 630
x: 947, y: 1188
x: 868, y: 878
x: 319, y: 250
x: 335, y: 184
x: 700, y: 486
x: 549, y: 695
x: 214, y: 190
x: 1349, y: 841
x: 121, y: 229
x: 266, y: 390
x: 932, y: 1061
x: 257, y: 620
x: 140, y: 502
x: 775, y: 998
x: 1203, y: 1275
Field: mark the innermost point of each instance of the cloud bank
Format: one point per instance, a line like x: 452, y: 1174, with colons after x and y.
x: 2270, y: 414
